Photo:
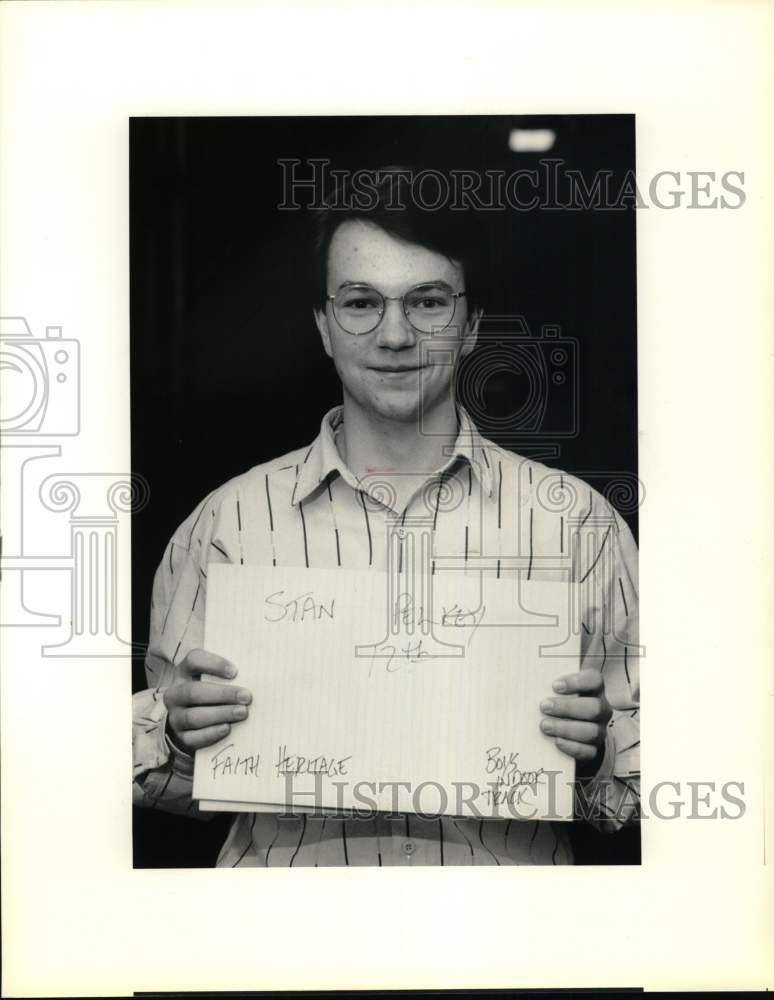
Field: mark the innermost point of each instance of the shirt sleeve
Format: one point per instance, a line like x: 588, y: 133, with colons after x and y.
x: 611, y: 798
x: 163, y: 774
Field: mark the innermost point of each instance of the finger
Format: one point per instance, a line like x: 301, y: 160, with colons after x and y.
x: 195, y: 739
x: 591, y: 708
x: 199, y: 661
x: 581, y: 732
x: 206, y: 693
x: 580, y: 751
x: 587, y: 681
x: 184, y: 719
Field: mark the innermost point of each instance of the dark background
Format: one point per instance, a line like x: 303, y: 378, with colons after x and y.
x: 227, y: 369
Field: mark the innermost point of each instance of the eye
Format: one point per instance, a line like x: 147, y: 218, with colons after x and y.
x: 429, y: 296
x: 430, y: 300
x: 358, y: 300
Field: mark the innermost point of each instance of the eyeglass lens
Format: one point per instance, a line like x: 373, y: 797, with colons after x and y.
x: 359, y: 308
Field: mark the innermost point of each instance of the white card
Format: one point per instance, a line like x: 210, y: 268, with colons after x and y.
x: 370, y: 694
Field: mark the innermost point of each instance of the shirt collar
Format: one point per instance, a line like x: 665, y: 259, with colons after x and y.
x: 323, y: 458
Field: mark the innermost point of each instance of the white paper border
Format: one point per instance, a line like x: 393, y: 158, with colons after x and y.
x: 77, y: 918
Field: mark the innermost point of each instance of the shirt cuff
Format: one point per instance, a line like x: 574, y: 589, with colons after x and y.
x: 149, y: 716
x: 182, y: 762
x: 152, y: 745
x: 604, y: 772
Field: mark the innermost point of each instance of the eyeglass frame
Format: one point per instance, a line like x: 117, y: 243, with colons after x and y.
x: 395, y: 298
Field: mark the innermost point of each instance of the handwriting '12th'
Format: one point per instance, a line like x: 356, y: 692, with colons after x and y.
x: 398, y: 657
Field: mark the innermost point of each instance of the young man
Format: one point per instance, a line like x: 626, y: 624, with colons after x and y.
x: 390, y: 281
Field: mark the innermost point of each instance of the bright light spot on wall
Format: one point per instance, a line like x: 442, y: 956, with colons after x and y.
x: 531, y: 140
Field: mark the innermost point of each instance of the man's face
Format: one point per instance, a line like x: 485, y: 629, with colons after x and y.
x: 386, y: 372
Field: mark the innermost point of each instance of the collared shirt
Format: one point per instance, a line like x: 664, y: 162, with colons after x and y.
x: 487, y: 507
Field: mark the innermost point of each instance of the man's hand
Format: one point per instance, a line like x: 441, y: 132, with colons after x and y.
x: 201, y: 712
x: 578, y: 716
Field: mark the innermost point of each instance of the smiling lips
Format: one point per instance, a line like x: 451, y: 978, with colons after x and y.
x: 398, y: 371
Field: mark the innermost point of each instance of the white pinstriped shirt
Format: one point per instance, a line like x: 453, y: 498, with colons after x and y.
x: 504, y: 514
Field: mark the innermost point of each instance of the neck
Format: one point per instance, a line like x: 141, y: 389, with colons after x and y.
x: 370, y: 442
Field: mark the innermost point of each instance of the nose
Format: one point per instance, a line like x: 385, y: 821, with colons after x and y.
x: 395, y: 333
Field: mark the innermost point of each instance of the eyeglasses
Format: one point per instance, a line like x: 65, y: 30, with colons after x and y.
x: 429, y: 307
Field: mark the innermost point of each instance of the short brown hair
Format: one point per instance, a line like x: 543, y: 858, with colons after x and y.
x: 389, y: 202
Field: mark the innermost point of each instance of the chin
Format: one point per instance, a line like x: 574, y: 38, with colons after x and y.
x: 402, y: 404
x: 403, y: 410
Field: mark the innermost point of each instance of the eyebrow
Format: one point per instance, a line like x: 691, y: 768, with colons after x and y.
x: 418, y: 284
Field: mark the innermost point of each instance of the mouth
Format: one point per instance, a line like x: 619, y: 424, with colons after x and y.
x: 397, y: 370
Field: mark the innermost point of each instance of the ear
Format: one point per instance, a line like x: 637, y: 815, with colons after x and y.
x: 321, y: 321
x: 470, y: 336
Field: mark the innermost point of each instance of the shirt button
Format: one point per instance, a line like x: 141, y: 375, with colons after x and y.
x: 409, y: 846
